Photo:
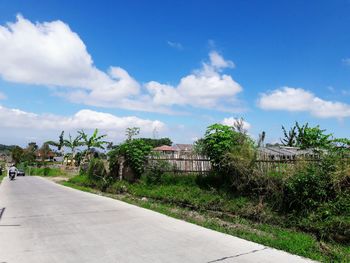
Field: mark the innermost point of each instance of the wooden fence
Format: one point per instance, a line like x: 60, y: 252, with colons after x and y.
x: 201, y: 164
x: 185, y: 164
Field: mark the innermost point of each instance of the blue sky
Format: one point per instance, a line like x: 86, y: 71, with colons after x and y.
x: 177, y: 66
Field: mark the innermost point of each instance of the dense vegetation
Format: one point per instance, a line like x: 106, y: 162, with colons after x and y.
x: 304, y: 210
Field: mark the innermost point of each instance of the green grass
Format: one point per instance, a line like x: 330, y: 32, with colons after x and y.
x: 2, y: 176
x: 45, y: 171
x: 238, y: 216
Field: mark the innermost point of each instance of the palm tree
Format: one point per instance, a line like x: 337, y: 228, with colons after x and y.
x: 92, y: 142
x: 59, y: 144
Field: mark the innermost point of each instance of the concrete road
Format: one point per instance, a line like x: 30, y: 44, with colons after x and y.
x: 45, y: 222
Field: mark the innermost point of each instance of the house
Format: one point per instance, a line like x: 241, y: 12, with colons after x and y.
x: 49, y: 156
x: 166, y: 150
x: 278, y: 152
x: 184, y: 149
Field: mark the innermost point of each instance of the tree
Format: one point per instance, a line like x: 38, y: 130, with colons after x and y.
x: 306, y: 137
x: 94, y: 141
x: 218, y: 140
x: 17, y: 154
x: 157, y: 142
x: 44, y: 151
x: 238, y: 126
x: 73, y: 144
x: 132, y: 132
x: 59, y: 144
x: 290, y: 137
x: 312, y: 137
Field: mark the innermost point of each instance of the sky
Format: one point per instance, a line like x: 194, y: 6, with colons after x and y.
x: 172, y: 68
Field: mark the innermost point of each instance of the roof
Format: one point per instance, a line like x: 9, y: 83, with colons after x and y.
x: 165, y: 148
x: 184, y: 147
x: 284, y: 151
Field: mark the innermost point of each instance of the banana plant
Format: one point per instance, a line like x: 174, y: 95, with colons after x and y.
x: 93, y: 142
x: 73, y: 144
x: 58, y: 144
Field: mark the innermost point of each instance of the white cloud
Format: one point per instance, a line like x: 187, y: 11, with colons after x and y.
x: 114, y: 126
x: 204, y: 88
x: 175, y: 45
x: 219, y: 62
x: 51, y: 54
x: 300, y: 100
x: 232, y: 121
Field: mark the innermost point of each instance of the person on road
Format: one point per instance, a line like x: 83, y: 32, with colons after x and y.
x: 13, y: 170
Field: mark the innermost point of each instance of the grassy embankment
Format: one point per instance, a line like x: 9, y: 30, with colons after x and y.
x: 182, y: 197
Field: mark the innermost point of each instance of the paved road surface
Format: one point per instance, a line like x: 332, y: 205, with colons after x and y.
x: 45, y: 222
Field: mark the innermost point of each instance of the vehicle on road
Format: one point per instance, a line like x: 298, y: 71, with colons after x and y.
x: 12, y: 175
x: 12, y: 172
x: 21, y: 173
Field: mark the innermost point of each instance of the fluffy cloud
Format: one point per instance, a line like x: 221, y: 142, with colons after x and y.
x: 296, y: 99
x: 205, y: 87
x: 232, y: 121
x: 18, y: 120
x: 51, y: 54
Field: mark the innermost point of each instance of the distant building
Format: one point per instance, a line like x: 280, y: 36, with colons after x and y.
x: 166, y: 150
x: 176, y: 151
x: 49, y: 156
x: 184, y: 149
x: 278, y: 152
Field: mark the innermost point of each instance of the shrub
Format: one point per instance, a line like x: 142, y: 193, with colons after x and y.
x: 97, y: 174
x: 155, y: 170
x: 135, y: 152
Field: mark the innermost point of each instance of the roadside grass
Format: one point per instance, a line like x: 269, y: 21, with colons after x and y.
x: 45, y: 171
x: 2, y: 176
x: 237, y: 216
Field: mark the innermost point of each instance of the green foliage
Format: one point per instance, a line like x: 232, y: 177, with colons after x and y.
x: 155, y: 170
x: 43, y: 171
x: 157, y: 142
x: 17, y: 154
x: 218, y: 140
x: 290, y: 137
x: 59, y: 144
x: 44, y: 151
x: 306, y: 137
x: 306, y: 189
x: 134, y: 151
x: 313, y: 137
x: 97, y: 174
x: 7, y: 149
x: 132, y: 132
x: 96, y: 169
x: 94, y: 141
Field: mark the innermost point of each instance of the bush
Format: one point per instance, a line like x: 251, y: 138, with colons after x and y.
x: 135, y: 153
x: 154, y: 171
x: 97, y: 173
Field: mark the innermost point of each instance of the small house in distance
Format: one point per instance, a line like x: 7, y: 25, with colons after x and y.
x: 184, y: 150
x: 166, y: 150
x: 176, y: 151
x: 278, y: 152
